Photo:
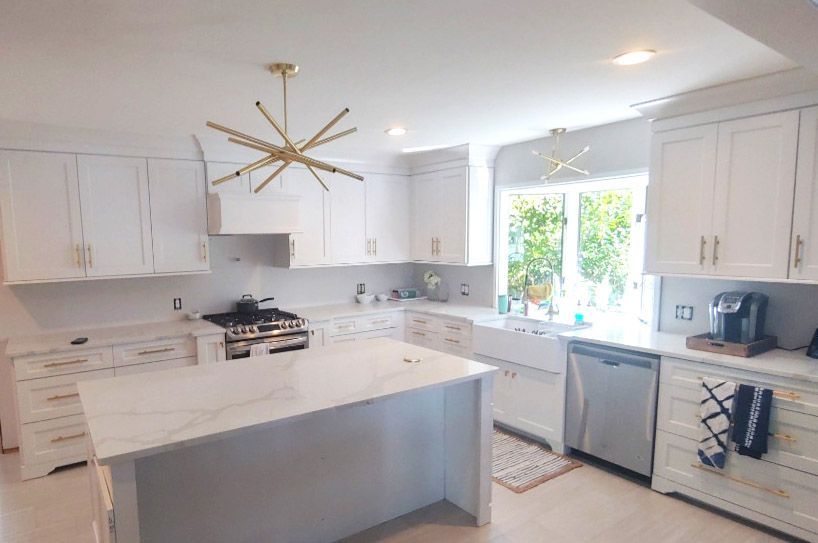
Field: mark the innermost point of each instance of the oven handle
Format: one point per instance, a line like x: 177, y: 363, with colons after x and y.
x: 244, y: 346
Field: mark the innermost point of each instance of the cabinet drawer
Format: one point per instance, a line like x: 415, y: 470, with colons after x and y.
x: 422, y: 322
x: 46, y: 365
x: 422, y: 337
x: 52, y: 397
x: 794, y: 439
x: 788, y: 394
x: 455, y: 344
x: 155, y: 366
x: 57, y: 441
x: 378, y: 322
x: 152, y: 351
x: 452, y: 328
x: 344, y: 326
x: 776, y: 491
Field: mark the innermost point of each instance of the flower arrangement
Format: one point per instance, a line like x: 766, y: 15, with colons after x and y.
x: 431, y: 279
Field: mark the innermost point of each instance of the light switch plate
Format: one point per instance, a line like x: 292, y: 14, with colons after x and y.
x: 464, y: 289
x: 684, y: 312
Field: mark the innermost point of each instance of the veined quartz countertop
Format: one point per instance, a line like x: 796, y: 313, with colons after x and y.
x: 55, y: 342
x: 140, y: 415
x: 472, y: 313
x: 629, y: 333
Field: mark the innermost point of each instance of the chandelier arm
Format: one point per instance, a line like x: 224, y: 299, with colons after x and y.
x: 326, y: 129
x: 272, y: 176
x: 281, y: 132
x: 236, y: 133
x: 266, y: 161
x: 285, y: 154
x: 330, y: 138
x: 349, y: 174
x: 583, y: 172
x: 315, y: 174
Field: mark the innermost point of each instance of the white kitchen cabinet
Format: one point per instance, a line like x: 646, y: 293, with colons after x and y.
x: 40, y: 211
x: 347, y: 219
x: 753, y: 202
x: 310, y: 246
x: 318, y: 335
x: 116, y: 218
x: 680, y: 201
x: 388, y: 202
x: 218, y: 170
x: 452, y: 216
x: 804, y: 241
x: 210, y: 349
x: 178, y: 216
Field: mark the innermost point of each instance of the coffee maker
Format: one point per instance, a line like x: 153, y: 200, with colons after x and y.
x: 738, y: 317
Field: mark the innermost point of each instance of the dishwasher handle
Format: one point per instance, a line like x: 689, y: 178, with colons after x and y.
x: 615, y: 357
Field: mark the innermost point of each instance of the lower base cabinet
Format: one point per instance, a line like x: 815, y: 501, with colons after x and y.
x: 529, y: 400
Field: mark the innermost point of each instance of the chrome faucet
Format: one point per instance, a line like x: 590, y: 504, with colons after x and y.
x: 552, y: 308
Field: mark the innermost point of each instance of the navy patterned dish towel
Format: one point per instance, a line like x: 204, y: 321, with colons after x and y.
x: 751, y: 420
x: 717, y: 400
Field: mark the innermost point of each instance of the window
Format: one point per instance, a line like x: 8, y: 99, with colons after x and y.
x: 574, y: 248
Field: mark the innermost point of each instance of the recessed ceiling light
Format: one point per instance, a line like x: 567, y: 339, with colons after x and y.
x: 396, y: 131
x: 633, y: 57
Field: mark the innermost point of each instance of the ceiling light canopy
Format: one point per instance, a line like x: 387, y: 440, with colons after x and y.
x: 634, y: 57
x: 395, y: 131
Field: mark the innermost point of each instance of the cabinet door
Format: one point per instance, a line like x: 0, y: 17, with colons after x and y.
x: 804, y: 259
x: 310, y: 246
x: 218, y: 170
x: 503, y: 402
x: 388, y: 200
x: 348, y: 219
x: 752, y: 208
x: 680, y: 201
x: 424, y: 217
x: 539, y: 402
x: 178, y: 216
x: 116, y: 220
x: 40, y: 211
x: 451, y: 214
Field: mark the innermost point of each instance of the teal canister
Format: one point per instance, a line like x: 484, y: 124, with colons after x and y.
x: 502, y: 303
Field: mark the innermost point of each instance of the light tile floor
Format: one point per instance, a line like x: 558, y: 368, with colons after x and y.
x: 585, y: 505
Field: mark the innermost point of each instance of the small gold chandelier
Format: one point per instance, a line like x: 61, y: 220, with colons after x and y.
x: 291, y: 151
x: 554, y: 162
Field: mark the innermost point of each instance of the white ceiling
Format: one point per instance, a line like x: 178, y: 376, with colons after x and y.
x: 452, y: 71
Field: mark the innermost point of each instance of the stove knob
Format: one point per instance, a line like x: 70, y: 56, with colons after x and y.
x: 234, y: 330
x: 253, y: 329
x: 284, y: 325
x: 243, y: 329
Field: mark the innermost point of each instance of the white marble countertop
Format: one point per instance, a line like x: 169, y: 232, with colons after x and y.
x: 471, y: 313
x: 55, y: 342
x: 631, y: 334
x: 140, y: 415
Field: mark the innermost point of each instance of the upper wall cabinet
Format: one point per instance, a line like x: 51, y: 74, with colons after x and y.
x: 116, y: 217
x: 720, y: 198
x: 178, y: 215
x: 71, y: 217
x: 804, y: 241
x: 310, y: 246
x: 452, y: 216
x: 40, y: 211
x: 388, y: 201
x: 348, y: 234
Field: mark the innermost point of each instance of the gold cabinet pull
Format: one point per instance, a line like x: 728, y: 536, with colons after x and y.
x: 156, y: 351
x: 90, y: 256
x: 450, y: 327
x: 775, y: 491
x: 451, y: 340
x: 66, y: 363
x: 375, y: 246
x: 799, y: 242
x: 513, y: 374
x: 784, y: 437
x: 418, y: 333
x: 78, y: 255
x: 369, y: 247
x: 204, y: 251
x: 62, y: 397
x: 66, y: 438
x: 715, y: 249
x: 433, y: 246
x: 292, y: 248
x: 506, y: 373
x: 702, y: 257
x: 380, y: 321
x: 786, y: 395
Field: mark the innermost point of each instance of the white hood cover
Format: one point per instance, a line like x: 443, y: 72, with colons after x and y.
x: 240, y: 214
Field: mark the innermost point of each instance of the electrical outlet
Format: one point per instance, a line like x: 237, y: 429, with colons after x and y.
x: 684, y: 312
x: 177, y: 304
x: 361, y: 288
x: 464, y: 289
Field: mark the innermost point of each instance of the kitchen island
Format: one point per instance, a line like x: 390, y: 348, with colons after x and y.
x: 296, y: 446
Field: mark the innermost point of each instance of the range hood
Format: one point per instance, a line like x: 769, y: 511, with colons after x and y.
x: 229, y: 214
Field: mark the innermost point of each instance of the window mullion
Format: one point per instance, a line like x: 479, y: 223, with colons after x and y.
x: 570, y: 248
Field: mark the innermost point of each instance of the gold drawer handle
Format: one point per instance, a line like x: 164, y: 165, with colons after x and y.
x: 419, y: 334
x: 58, y: 439
x: 67, y: 363
x: 157, y: 351
x: 380, y: 321
x: 451, y: 340
x: 786, y: 395
x: 784, y: 437
x: 419, y: 321
x: 775, y: 491
x: 453, y: 327
x: 62, y: 397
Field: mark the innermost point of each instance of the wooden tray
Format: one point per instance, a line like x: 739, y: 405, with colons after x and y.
x: 703, y: 342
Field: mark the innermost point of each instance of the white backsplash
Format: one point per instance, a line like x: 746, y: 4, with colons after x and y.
x: 792, y: 314
x: 479, y: 278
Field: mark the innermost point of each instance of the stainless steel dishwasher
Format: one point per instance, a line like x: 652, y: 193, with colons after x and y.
x: 610, y: 407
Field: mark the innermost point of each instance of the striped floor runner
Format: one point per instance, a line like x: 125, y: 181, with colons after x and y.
x: 520, y: 464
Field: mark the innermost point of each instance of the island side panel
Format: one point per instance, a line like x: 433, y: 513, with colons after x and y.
x: 469, y: 426
x: 124, y: 498
x: 317, y: 478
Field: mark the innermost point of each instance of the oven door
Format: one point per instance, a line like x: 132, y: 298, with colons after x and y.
x: 294, y: 342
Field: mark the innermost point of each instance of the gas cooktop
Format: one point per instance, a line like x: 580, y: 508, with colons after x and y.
x: 261, y: 323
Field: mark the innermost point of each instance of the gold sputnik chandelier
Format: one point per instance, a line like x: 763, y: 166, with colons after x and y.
x: 290, y: 151
x: 554, y: 162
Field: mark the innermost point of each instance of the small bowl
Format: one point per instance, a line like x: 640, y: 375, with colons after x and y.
x: 381, y: 297
x: 194, y: 316
x: 364, y: 298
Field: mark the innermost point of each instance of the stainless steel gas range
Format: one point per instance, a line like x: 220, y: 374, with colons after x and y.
x: 280, y: 330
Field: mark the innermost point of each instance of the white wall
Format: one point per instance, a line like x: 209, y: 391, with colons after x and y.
x: 30, y: 309
x: 792, y: 314
x: 479, y: 278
